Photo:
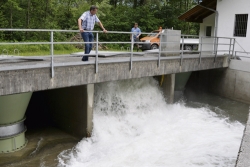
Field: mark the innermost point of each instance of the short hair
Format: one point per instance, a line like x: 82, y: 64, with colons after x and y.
x: 136, y: 23
x: 93, y: 7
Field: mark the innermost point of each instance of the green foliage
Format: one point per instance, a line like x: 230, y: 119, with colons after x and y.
x: 116, y: 15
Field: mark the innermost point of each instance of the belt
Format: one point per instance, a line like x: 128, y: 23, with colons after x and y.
x: 87, y: 29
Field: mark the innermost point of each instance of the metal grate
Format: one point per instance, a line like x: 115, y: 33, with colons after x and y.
x: 240, y: 27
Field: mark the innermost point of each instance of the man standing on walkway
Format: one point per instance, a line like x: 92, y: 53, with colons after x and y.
x: 86, y: 23
x: 136, y: 32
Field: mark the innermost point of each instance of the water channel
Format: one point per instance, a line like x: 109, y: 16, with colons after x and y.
x: 133, y: 126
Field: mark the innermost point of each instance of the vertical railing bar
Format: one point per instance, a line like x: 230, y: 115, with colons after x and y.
x: 233, y: 49
x: 159, y: 55
x: 200, y: 51
x: 131, y: 55
x: 96, y: 55
x: 182, y: 49
x: 52, y: 53
x: 229, y: 54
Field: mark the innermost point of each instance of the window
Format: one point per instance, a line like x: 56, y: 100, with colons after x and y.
x: 208, y: 31
x: 240, y: 25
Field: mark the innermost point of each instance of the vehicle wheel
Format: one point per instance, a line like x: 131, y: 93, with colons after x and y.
x: 188, y: 47
x: 154, y: 46
x: 195, y: 47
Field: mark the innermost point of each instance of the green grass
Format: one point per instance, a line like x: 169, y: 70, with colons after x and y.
x: 43, y: 50
x: 45, y: 53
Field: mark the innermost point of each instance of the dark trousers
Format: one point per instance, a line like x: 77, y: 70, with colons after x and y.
x: 87, y: 37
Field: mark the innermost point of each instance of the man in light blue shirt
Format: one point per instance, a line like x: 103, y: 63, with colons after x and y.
x: 136, y: 32
x: 86, y: 23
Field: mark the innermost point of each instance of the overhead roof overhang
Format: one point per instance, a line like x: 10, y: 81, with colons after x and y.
x: 198, y: 13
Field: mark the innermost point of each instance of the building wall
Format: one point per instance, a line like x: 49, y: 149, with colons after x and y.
x: 227, y: 10
x: 208, y: 21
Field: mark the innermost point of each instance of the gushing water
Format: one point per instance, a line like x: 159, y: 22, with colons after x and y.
x: 134, y: 127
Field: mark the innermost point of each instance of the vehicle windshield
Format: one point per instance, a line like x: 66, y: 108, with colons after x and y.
x: 153, y: 33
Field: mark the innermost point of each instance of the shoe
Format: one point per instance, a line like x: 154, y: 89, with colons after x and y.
x: 85, y: 58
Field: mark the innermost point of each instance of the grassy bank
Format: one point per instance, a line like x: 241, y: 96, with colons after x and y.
x: 42, y: 49
x: 37, y: 50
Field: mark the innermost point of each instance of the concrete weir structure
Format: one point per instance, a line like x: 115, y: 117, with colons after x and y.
x: 70, y: 91
x: 68, y: 83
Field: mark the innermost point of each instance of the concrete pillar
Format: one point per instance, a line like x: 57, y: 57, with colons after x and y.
x: 168, y: 84
x: 71, y: 109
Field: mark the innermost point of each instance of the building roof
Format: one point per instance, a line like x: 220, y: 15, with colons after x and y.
x: 198, y: 13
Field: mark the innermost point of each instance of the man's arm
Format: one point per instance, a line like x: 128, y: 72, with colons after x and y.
x: 139, y: 33
x: 80, y: 25
x: 100, y: 24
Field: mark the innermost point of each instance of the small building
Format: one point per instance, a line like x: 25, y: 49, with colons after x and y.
x: 222, y: 18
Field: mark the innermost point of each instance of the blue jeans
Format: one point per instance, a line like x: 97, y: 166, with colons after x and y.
x: 87, y: 37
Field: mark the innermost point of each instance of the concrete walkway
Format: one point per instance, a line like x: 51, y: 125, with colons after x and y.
x: 23, y: 75
x: 31, y: 62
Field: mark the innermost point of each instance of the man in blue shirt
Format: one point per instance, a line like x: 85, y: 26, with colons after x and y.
x: 136, y: 32
x: 86, y: 23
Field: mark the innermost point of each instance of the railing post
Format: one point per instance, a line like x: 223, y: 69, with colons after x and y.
x: 216, y: 48
x: 52, y: 52
x: 200, y: 52
x: 182, y: 49
x: 96, y: 53
x: 233, y: 49
x: 159, y: 55
x: 230, y: 49
x: 131, y: 55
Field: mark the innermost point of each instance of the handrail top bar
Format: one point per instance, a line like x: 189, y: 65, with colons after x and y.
x: 217, y: 37
x: 57, y: 30
x: 241, y: 52
x: 115, y: 32
x: 243, y: 56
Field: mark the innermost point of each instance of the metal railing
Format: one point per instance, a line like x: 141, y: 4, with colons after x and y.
x: 239, y: 54
x: 177, y: 53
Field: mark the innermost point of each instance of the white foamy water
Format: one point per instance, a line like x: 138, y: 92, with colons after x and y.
x: 134, y: 127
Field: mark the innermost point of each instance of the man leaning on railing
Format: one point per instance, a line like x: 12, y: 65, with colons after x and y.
x: 86, y: 23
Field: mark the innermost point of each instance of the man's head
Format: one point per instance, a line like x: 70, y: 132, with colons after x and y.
x: 136, y: 25
x: 93, y: 9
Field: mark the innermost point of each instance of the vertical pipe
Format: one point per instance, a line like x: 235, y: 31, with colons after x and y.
x: 200, y: 52
x: 216, y: 48
x: 52, y: 52
x: 131, y: 55
x: 96, y: 53
x: 159, y: 56
x: 182, y: 49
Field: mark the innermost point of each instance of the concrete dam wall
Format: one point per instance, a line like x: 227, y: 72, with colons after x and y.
x: 232, y: 82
